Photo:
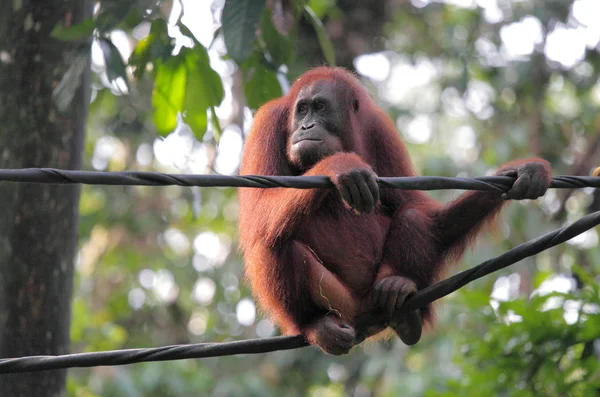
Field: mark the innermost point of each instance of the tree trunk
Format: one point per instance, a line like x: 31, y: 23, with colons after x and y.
x: 38, y: 222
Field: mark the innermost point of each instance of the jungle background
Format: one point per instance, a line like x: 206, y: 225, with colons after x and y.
x: 171, y: 86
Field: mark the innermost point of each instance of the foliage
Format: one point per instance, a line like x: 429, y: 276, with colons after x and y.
x: 538, y: 346
x: 159, y: 266
x: 240, y: 19
x: 185, y: 81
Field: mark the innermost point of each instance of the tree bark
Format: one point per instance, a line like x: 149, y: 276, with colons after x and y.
x: 38, y: 222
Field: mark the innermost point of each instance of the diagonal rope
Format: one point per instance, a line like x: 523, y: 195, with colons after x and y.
x: 499, y: 184
x: 254, y: 346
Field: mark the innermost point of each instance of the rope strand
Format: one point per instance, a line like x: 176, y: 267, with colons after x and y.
x: 264, y: 345
x: 422, y: 298
x: 500, y: 184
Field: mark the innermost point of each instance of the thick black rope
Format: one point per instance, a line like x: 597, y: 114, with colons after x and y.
x: 264, y: 345
x: 499, y: 184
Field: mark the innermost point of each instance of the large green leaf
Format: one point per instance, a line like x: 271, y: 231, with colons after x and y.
x: 240, y: 19
x: 186, y: 84
x: 168, y: 96
x: 204, y: 89
x: 326, y: 45
x: 260, y: 84
x: 213, y: 87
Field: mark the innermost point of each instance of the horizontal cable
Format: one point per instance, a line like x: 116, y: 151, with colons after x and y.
x: 499, y: 184
x: 264, y: 345
x: 132, y: 356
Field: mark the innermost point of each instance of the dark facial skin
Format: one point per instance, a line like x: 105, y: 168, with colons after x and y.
x: 319, y: 121
x: 317, y: 125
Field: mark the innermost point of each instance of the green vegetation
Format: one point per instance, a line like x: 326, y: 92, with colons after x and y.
x: 471, y: 84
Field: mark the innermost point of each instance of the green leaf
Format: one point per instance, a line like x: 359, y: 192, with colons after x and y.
x: 115, y: 67
x: 279, y: 47
x: 186, y: 84
x: 168, y: 95
x: 204, y: 90
x: 260, y: 85
x: 212, y: 81
x: 326, y: 45
x: 240, y: 19
x: 77, y: 32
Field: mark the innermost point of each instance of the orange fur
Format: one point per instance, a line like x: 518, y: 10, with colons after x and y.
x: 306, y: 254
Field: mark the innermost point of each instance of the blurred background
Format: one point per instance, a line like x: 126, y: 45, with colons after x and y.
x: 471, y: 84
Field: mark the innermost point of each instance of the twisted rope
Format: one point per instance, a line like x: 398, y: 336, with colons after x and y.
x: 500, y: 184
x: 255, y: 346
